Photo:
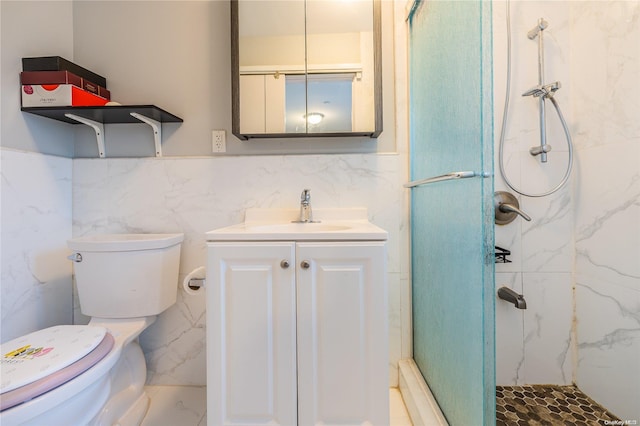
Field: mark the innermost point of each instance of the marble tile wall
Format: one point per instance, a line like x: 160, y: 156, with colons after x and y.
x: 195, y: 195
x: 607, y: 202
x: 36, y: 223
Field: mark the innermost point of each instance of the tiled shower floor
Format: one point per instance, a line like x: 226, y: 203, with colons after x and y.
x: 547, y: 405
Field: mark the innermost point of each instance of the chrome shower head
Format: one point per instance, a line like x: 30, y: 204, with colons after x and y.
x: 544, y: 91
x: 536, y: 91
x: 542, y: 24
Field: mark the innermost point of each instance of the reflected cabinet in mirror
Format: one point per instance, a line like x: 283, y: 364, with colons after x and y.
x: 306, y: 68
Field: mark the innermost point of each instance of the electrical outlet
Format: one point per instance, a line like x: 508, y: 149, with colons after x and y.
x: 219, y: 142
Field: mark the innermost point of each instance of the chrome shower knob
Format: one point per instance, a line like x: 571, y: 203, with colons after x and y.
x: 507, y: 208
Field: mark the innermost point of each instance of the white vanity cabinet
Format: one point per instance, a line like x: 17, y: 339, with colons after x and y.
x: 297, y: 333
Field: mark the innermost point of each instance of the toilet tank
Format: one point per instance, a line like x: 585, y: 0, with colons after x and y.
x: 126, y: 275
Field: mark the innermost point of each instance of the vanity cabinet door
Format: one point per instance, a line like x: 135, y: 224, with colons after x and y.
x: 251, y: 336
x: 343, y: 373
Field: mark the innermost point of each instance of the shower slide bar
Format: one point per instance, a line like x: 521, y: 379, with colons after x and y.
x: 448, y: 176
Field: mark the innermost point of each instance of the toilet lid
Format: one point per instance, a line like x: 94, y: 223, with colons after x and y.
x: 41, y: 353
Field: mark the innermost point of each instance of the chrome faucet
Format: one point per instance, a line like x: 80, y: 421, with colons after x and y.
x: 306, y: 215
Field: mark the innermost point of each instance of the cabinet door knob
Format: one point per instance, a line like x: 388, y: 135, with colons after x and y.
x: 305, y: 264
x: 284, y: 264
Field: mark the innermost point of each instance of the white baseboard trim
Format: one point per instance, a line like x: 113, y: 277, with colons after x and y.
x: 418, y: 399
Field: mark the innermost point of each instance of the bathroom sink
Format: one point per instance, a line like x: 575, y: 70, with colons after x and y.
x: 279, y: 225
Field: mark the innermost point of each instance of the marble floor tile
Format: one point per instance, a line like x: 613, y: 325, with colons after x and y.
x: 187, y: 406
x: 176, y: 405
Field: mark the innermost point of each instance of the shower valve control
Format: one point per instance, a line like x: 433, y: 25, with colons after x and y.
x: 507, y: 208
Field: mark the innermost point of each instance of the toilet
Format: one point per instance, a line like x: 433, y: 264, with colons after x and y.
x: 94, y: 374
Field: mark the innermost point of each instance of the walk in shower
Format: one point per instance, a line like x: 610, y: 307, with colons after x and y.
x: 563, y: 359
x: 575, y: 343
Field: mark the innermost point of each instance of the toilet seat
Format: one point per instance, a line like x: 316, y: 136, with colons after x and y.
x: 43, y: 360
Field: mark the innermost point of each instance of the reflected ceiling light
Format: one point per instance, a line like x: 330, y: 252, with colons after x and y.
x: 314, y: 117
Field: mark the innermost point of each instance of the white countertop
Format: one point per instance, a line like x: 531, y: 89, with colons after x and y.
x: 350, y: 224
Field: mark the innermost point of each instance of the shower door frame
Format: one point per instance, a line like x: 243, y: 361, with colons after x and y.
x: 477, y: 402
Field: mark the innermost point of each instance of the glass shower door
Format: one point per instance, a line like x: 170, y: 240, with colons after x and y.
x: 452, y: 218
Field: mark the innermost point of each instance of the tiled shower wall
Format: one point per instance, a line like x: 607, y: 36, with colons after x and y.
x: 534, y: 345
x: 606, y: 97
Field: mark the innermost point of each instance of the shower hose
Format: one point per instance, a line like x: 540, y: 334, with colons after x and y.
x: 549, y: 96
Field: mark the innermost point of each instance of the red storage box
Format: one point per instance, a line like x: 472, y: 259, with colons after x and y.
x: 38, y: 95
x: 62, y: 77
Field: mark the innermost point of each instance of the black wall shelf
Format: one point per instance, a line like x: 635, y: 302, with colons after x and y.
x: 105, y: 114
x: 97, y: 116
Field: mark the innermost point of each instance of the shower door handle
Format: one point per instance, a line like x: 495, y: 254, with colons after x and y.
x: 448, y: 176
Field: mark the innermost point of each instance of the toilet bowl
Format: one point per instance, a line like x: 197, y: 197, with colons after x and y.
x: 124, y: 281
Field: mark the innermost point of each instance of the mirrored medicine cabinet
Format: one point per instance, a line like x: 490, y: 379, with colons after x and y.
x: 306, y: 68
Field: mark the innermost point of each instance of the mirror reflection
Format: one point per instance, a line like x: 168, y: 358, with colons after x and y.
x: 305, y: 68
